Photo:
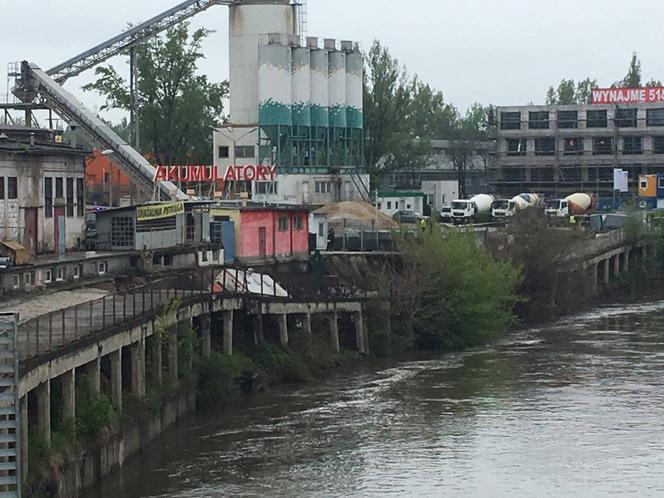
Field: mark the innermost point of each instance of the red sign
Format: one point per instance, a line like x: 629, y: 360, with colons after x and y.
x: 627, y: 95
x: 189, y: 173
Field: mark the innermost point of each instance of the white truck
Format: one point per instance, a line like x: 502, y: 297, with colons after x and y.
x: 477, y: 209
x: 572, y: 205
x: 504, y: 208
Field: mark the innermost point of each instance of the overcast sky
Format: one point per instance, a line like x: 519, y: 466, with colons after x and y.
x: 502, y: 52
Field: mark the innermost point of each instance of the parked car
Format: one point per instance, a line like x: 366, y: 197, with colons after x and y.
x: 446, y: 215
x: 408, y: 217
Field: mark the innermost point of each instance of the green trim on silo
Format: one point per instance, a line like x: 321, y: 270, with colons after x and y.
x: 320, y: 116
x: 354, y: 118
x: 271, y: 113
x: 301, y: 115
x: 338, y: 116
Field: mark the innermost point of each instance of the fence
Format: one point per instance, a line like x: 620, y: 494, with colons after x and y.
x: 56, y: 329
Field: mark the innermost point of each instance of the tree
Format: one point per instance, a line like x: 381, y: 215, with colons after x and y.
x: 654, y: 83
x: 385, y: 104
x: 451, y: 293
x: 568, y: 92
x: 178, y: 107
x: 633, y: 77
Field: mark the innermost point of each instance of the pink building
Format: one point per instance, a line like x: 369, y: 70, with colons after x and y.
x: 267, y: 233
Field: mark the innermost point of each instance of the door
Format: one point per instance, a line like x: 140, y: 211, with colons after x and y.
x: 262, y: 242
x: 59, y: 229
x: 30, y: 230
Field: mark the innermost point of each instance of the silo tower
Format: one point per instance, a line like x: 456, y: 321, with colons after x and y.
x: 248, y: 19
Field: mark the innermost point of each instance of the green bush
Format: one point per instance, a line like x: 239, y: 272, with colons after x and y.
x: 93, y: 414
x: 284, y: 365
x: 220, y: 377
x: 453, y: 294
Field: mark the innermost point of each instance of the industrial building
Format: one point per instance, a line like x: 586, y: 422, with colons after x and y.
x: 558, y: 150
x: 296, y: 104
x: 42, y: 192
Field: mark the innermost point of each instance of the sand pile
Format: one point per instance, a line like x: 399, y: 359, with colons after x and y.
x: 360, y: 215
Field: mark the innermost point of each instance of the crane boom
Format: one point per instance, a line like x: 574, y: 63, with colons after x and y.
x: 132, y: 36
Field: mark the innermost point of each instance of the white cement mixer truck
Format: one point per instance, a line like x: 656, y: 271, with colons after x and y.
x: 477, y: 209
x: 572, y: 205
x: 504, y: 208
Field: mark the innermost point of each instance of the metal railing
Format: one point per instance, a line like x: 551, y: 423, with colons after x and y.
x: 57, y: 329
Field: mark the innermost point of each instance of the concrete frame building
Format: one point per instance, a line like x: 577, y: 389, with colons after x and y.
x: 558, y: 150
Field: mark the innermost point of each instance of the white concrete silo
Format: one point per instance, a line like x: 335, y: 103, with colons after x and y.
x: 247, y: 21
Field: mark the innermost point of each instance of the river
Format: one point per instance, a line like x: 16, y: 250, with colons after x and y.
x: 572, y: 409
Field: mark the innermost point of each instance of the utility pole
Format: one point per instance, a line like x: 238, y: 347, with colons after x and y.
x: 133, y: 91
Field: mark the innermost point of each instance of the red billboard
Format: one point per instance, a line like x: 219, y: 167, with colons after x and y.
x: 627, y: 95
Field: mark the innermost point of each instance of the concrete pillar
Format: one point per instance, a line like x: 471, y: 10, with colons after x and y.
x: 283, y: 329
x: 173, y: 354
x: 306, y: 324
x: 359, y: 331
x: 606, y: 270
x: 69, y: 395
x: 23, y: 416
x: 616, y: 265
x: 228, y: 332
x: 334, y: 332
x: 137, y: 353
x: 94, y: 375
x: 626, y: 260
x: 258, y: 328
x: 43, y: 392
x: 365, y: 331
x: 593, y: 275
x: 206, y: 340
x: 116, y: 378
x: 155, y: 352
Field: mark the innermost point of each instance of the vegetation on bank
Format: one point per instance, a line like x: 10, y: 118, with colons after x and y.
x: 450, y: 293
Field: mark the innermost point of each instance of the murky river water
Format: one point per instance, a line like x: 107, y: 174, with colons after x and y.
x: 573, y: 409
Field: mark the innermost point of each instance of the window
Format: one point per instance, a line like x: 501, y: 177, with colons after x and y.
x: 266, y: 187
x: 297, y: 223
x: 407, y: 206
x: 658, y: 145
x: 48, y: 276
x: 596, y: 119
x: 12, y: 187
x: 545, y: 146
x: 223, y: 152
x: 48, y: 197
x: 568, y: 119
x: 321, y: 229
x: 70, y: 197
x: 389, y: 204
x: 59, y: 274
x: 510, y: 120
x: 80, y: 198
x: 283, y: 223
x: 625, y: 118
x: 29, y: 278
x: 602, y: 146
x: 16, y: 282
x: 323, y: 187
x: 538, y: 120
x: 77, y: 272
x: 660, y: 183
x: 168, y: 260
x: 632, y: 145
x: 517, y: 147
x: 2, y: 187
x: 655, y: 117
x: 58, y: 188
x: 573, y: 145
x: 643, y: 184
x: 102, y: 267
x: 244, y: 151
x: 122, y: 231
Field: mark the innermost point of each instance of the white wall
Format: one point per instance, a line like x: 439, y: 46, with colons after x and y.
x: 442, y: 191
x: 391, y: 205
